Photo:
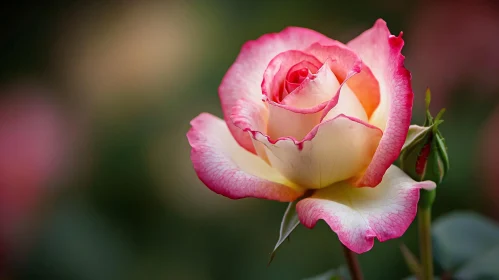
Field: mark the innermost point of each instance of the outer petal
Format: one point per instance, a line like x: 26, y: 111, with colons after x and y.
x: 228, y: 169
x: 244, y: 77
x: 334, y: 150
x: 358, y: 215
x: 382, y: 53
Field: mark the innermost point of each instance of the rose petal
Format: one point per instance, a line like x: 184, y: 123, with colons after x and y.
x: 286, y: 123
x: 228, y: 169
x: 278, y: 68
x: 250, y: 117
x: 363, y: 84
x: 304, y: 69
x: 381, y: 52
x: 348, y: 104
x: 334, y: 150
x: 315, y: 91
x: 357, y: 215
x: 244, y: 77
x: 301, y: 110
x: 308, y: 104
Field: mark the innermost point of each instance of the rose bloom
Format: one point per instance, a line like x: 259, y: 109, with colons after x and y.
x: 307, y: 117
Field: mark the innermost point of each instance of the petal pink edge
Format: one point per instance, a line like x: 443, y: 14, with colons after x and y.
x: 223, y: 176
x: 400, y: 113
x: 397, y: 229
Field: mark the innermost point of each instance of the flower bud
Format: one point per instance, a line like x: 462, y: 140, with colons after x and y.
x: 424, y: 154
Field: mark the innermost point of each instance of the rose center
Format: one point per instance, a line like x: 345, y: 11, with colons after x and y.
x: 295, y: 78
x: 298, y: 76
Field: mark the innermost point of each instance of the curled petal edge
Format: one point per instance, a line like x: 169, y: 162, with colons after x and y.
x: 359, y: 215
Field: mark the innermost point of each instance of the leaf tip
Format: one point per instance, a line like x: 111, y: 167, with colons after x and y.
x: 428, y: 98
x: 271, y: 258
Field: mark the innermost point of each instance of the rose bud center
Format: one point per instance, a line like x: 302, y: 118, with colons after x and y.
x: 296, y: 76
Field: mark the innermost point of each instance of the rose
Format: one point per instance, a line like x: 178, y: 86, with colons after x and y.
x: 305, y: 112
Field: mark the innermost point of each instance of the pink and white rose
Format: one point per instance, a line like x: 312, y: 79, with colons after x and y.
x: 304, y: 113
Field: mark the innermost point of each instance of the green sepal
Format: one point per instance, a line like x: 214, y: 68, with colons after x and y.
x: 288, y: 224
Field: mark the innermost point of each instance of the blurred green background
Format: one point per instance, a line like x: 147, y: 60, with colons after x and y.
x: 127, y: 77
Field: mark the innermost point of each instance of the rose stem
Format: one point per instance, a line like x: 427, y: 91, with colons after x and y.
x: 424, y: 224
x: 353, y: 263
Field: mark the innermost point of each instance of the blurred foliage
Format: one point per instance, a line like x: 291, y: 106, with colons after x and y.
x: 340, y: 273
x: 135, y: 209
x: 466, y: 245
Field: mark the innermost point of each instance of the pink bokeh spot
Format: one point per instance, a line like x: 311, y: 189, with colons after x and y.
x: 32, y: 145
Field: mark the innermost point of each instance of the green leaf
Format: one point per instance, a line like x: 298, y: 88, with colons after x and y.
x: 289, y: 222
x: 340, y: 273
x: 462, y: 238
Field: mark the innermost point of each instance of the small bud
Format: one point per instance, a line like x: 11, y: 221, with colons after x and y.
x: 424, y: 154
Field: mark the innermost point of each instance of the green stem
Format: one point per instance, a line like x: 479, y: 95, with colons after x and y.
x: 353, y: 263
x: 424, y: 224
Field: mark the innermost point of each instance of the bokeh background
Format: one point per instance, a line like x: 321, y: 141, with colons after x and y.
x: 96, y: 98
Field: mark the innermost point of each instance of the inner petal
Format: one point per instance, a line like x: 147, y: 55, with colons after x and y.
x: 364, y: 85
x: 315, y: 90
x: 301, y: 110
x: 275, y: 75
x: 296, y: 75
x: 348, y: 104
